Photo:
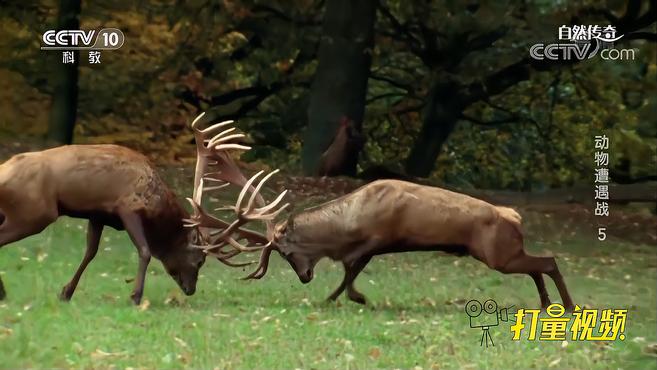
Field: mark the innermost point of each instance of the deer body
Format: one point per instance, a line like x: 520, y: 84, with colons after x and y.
x: 110, y: 186
x: 401, y: 214
x: 391, y: 216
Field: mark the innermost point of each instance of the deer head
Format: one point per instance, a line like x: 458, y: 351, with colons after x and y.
x: 301, y: 257
x: 183, y: 266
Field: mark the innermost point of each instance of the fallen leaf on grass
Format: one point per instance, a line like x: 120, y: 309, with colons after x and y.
x: 174, y: 300
x: 450, y: 349
x: 651, y: 349
x: 181, y: 342
x: 374, y: 353
x: 144, y: 305
x: 429, y: 302
x: 457, y: 301
x: 99, y: 354
x: 554, y: 362
x: 184, y: 357
x: 602, y: 344
x: 5, y: 333
x: 109, y: 297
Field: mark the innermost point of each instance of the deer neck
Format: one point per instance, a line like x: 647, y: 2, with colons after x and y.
x: 164, y: 228
x: 320, y: 230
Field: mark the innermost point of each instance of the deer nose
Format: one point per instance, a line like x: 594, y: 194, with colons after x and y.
x: 189, y: 290
x: 307, y: 276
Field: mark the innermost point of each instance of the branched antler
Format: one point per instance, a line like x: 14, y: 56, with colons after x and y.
x: 214, y: 164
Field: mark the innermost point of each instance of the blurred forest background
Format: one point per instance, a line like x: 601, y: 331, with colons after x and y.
x: 438, y: 89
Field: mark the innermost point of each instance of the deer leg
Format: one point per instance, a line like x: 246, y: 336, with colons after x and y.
x: 94, y: 231
x: 540, y: 285
x: 356, y: 269
x: 6, y: 237
x: 134, y: 227
x: 561, y: 286
x: 352, y: 269
x: 537, y: 265
x: 341, y: 287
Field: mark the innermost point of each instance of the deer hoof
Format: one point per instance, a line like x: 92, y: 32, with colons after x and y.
x: 136, y: 298
x: 65, y: 294
x: 358, y: 298
x: 3, y: 294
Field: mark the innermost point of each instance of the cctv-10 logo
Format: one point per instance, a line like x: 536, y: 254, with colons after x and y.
x: 105, y: 39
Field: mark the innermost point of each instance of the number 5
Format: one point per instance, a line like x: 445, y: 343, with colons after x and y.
x: 602, y: 235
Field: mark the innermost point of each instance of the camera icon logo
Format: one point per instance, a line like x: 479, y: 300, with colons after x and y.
x: 486, y: 316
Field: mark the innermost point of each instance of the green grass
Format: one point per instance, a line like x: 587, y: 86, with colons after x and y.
x: 415, y: 316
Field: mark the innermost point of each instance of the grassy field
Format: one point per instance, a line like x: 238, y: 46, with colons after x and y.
x: 415, y: 317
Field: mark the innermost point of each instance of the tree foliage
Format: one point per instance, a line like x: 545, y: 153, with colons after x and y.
x: 255, y: 61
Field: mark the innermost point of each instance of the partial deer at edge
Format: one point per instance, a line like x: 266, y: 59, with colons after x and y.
x: 115, y: 186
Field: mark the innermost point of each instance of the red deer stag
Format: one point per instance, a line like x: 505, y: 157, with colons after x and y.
x: 392, y: 216
x: 114, y: 186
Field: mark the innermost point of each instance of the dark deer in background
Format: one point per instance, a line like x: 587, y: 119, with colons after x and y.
x: 114, y: 186
x: 391, y: 216
x: 346, y: 144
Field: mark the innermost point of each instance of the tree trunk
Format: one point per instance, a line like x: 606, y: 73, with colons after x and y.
x: 65, y: 96
x: 340, y: 84
x: 441, y: 115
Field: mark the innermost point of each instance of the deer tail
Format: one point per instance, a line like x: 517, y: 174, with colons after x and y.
x: 513, y: 218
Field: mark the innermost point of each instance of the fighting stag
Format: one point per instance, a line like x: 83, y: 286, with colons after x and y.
x: 110, y: 186
x: 391, y: 216
x: 115, y: 186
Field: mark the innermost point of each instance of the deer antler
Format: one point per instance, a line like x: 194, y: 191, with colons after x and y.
x: 261, y: 270
x: 214, y: 164
x: 244, y: 215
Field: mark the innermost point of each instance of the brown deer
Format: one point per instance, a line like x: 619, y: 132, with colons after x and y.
x: 392, y: 216
x: 115, y: 186
x: 346, y: 143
